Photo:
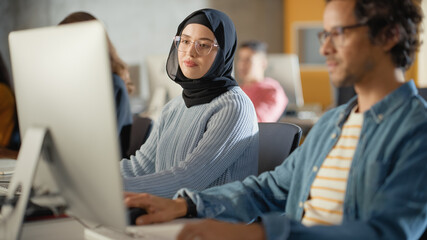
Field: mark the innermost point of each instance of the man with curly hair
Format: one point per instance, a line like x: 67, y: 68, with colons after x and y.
x: 361, y: 173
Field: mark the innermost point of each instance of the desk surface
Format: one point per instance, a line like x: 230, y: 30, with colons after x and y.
x: 64, y: 228
x: 162, y: 231
x: 70, y: 229
x: 304, y: 124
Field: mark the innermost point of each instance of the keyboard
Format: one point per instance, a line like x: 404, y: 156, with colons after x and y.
x: 3, y: 189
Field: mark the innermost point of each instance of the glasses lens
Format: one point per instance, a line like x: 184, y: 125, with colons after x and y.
x: 321, y: 36
x: 203, y: 47
x: 337, y: 36
x: 182, y: 44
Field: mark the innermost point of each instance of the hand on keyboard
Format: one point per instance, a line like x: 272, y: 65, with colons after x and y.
x: 134, y: 213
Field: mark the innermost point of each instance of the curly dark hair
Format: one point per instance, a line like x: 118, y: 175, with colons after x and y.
x: 4, y: 75
x: 384, y: 17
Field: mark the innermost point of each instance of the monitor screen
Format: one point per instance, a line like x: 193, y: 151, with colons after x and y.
x: 285, y: 69
x: 63, y: 83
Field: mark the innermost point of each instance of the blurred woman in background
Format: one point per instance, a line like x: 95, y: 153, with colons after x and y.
x: 9, y: 133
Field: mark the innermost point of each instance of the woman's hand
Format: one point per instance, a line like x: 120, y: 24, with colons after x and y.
x: 212, y: 229
x: 158, y: 209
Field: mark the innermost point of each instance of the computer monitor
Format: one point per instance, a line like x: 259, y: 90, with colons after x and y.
x: 63, y: 84
x: 162, y: 89
x: 285, y: 69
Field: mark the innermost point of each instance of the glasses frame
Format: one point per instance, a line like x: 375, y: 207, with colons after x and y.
x: 323, y: 35
x: 177, y: 40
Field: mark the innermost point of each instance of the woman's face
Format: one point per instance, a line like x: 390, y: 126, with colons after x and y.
x: 192, y: 64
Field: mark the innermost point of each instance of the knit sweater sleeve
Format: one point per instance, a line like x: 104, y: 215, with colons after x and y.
x: 229, y: 132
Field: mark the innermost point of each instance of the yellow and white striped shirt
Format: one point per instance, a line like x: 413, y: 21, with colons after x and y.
x: 325, y: 204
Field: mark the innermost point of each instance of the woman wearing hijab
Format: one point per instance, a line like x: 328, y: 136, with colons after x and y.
x: 209, y: 135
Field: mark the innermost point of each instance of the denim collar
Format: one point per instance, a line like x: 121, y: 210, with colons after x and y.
x: 383, y: 108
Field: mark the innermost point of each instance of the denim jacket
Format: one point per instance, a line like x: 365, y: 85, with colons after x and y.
x: 386, y: 196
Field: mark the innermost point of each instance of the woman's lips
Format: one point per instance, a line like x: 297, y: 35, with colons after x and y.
x: 189, y: 63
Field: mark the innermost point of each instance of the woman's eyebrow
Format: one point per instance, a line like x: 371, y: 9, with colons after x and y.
x: 203, y: 38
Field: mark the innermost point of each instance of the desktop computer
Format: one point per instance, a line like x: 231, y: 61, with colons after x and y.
x: 69, y: 155
x: 66, y: 113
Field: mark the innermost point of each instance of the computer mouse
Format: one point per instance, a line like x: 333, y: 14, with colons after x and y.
x: 133, y: 213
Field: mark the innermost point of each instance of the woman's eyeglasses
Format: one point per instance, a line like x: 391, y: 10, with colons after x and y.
x: 203, y: 47
x: 337, y: 34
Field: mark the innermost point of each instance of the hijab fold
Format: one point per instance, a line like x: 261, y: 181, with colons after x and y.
x: 218, y: 79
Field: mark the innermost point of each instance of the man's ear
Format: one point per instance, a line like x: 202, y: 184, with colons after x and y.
x: 389, y: 37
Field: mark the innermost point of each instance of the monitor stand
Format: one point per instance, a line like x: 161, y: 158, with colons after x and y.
x: 34, y: 144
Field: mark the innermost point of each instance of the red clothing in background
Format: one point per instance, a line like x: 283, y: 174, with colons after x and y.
x: 268, y: 98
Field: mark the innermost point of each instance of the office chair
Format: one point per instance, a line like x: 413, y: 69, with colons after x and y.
x: 423, y: 92
x: 124, y: 138
x: 140, y: 130
x: 344, y: 94
x: 276, y: 141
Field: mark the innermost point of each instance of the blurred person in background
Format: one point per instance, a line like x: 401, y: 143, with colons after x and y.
x: 266, y: 94
x: 9, y: 129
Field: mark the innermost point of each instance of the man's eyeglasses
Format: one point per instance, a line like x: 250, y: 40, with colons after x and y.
x: 203, y: 47
x: 337, y: 34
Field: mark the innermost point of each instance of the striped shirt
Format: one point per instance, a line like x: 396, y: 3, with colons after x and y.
x: 325, y: 204
x: 198, y: 147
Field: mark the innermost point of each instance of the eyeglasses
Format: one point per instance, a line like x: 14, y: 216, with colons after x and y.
x: 337, y: 34
x: 203, y: 47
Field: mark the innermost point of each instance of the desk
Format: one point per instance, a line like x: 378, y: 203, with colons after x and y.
x: 161, y: 231
x: 64, y: 229
x: 70, y: 229
x: 304, y: 123
x: 305, y: 117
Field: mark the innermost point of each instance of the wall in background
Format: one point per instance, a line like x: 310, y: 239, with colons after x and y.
x: 139, y: 28
x: 256, y: 19
x: 314, y: 80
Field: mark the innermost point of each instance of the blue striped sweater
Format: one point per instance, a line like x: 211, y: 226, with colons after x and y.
x: 198, y: 147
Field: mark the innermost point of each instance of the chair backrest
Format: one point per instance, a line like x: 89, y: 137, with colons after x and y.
x: 141, y: 128
x: 276, y: 141
x: 423, y: 92
x: 285, y: 69
x: 344, y: 94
